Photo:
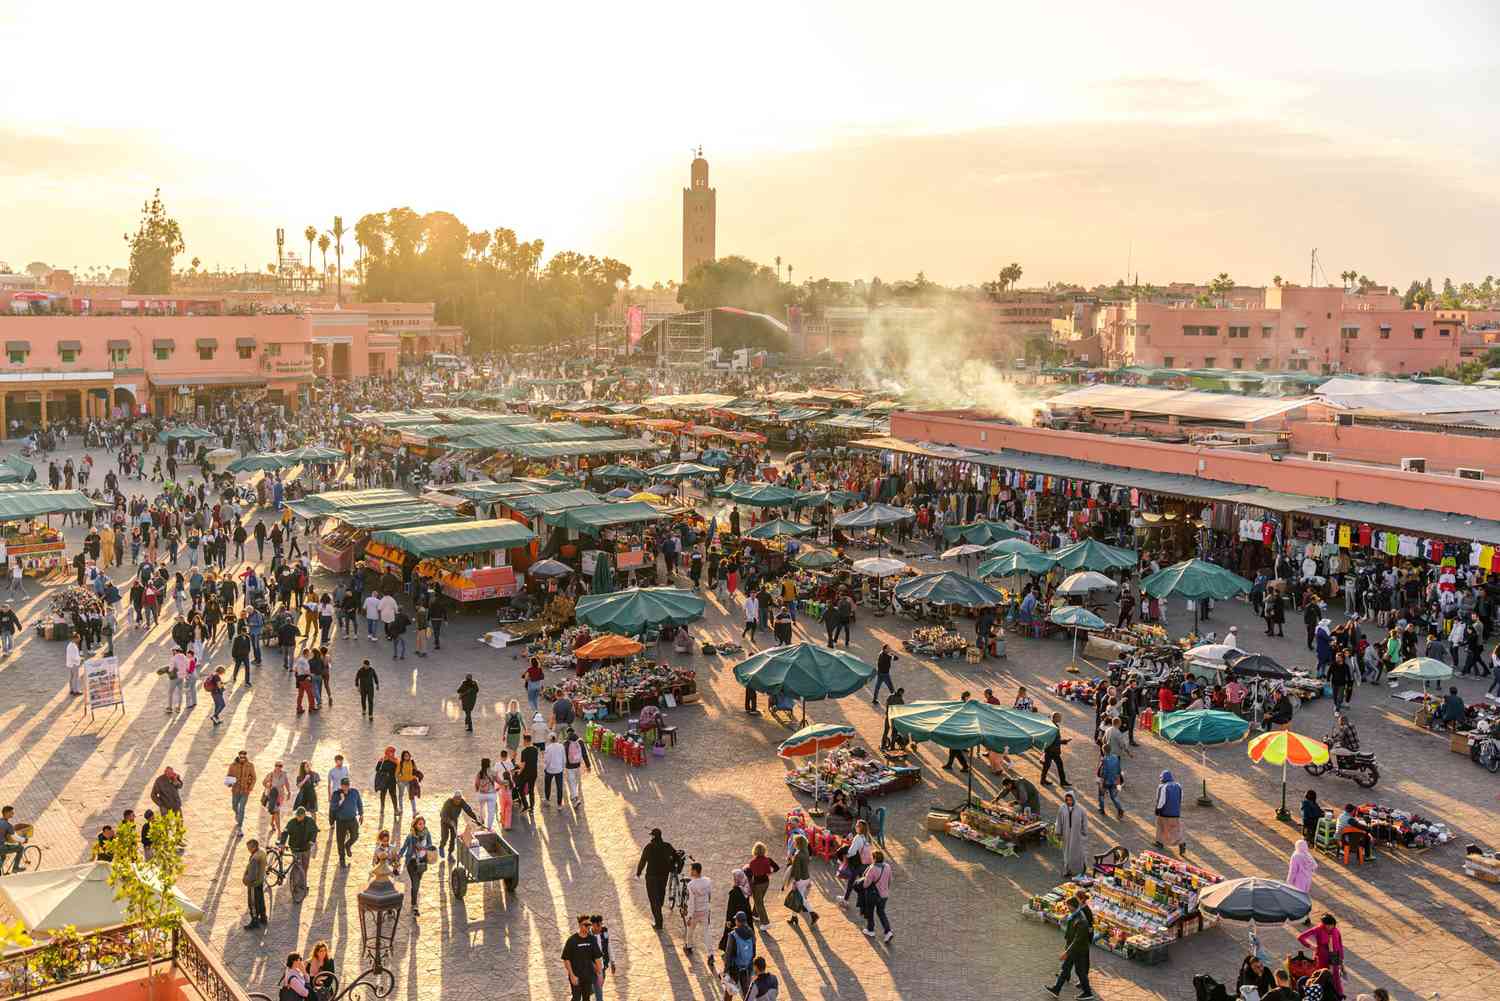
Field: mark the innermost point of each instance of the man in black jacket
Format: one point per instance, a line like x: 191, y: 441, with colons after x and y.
x: 182, y: 633
x: 1052, y: 754
x: 300, y: 836
x: 367, y: 681
x: 448, y: 816
x: 657, y: 861
x: 1078, y: 933
x: 468, y: 695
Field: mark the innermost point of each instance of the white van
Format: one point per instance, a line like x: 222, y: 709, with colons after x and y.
x: 447, y: 361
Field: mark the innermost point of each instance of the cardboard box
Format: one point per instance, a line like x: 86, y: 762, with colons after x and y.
x: 1458, y: 743
x: 937, y: 821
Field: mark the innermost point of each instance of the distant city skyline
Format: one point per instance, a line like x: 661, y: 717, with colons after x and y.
x: 1177, y: 143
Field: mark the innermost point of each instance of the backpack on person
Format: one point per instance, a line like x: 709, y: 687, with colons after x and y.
x: 575, y: 752
x: 744, y: 950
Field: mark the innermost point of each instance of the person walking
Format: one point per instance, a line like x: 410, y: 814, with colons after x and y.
x: 241, y: 782
x: 1328, y: 945
x: 1169, y: 814
x: 752, y: 617
x: 214, y: 685
x: 419, y: 628
x: 368, y: 682
x: 657, y: 859
x: 883, y: 672
x: 575, y: 760
x: 1078, y: 934
x: 416, y: 849
x: 760, y: 867
x: 453, y: 807
x: 1072, y: 829
x: 1300, y: 869
x: 553, y: 765
x: 582, y: 960
x: 1111, y: 775
x: 437, y: 616
x: 799, y: 880
x: 533, y: 677
x: 397, y: 627
x: 1052, y: 754
x: 877, y: 891
x: 700, y: 891
x: 276, y: 792
x: 739, y: 954
x: 525, y: 777
x: 408, y: 782
x: 348, y: 812
x: 166, y: 792
x: 857, y: 857
x: 73, y: 660
x: 372, y: 614
x: 486, y: 788
x: 600, y: 935
x: 254, y: 879
x: 240, y: 649
x: 300, y: 837
x: 468, y: 697
x: 513, y: 727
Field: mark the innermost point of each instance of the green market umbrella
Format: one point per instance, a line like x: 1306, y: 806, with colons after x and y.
x: 820, y: 498
x: 1423, y: 669
x: 981, y: 533
x: 603, y: 581
x: 778, y: 527
x: 763, y: 495
x: 1011, y: 564
x: 804, y: 670
x: 815, y: 559
x: 962, y: 726
x: 632, y: 611
x: 873, y: 516
x: 620, y: 474
x: 1010, y: 546
x: 1203, y: 727
x: 14, y: 469
x: 1091, y: 554
x: 1076, y: 617
x: 681, y: 471
x: 1195, y: 579
x: 257, y: 462
x: 949, y: 588
x: 184, y: 432
x: 313, y: 453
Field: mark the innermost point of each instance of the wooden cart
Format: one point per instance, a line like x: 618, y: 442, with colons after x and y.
x: 488, y: 858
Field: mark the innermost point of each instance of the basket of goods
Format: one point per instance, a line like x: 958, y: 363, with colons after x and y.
x: 936, y: 641
x: 1077, y: 690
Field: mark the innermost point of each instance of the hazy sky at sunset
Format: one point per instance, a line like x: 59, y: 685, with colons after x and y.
x: 851, y: 139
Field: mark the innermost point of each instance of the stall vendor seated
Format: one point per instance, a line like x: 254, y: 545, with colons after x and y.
x: 1351, y: 832
x: 1024, y: 793
x: 1451, y: 713
x: 840, y: 816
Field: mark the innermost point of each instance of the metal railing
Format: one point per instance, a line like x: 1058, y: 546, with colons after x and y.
x: 203, y: 969
x: 72, y: 959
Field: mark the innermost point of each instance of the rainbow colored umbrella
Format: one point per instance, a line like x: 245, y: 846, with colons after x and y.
x: 814, y: 739
x: 1283, y: 747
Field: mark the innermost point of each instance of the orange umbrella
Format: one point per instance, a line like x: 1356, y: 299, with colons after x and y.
x: 1283, y: 747
x: 608, y: 647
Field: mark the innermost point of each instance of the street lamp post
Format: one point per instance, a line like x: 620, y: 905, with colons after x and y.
x: 379, y: 914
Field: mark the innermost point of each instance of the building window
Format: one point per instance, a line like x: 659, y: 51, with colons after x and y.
x: 1239, y: 331
x: 1209, y: 360
x: 1349, y: 333
x: 163, y: 354
x: 205, y: 354
x: 1385, y: 332
x: 1261, y: 364
x: 18, y: 357
x: 1189, y: 331
x: 1266, y: 330
x: 1442, y: 331
x: 1417, y: 332
x: 271, y: 350
x: 1238, y: 362
x: 245, y: 353
x: 1167, y: 361
x: 1299, y: 332
x: 1193, y: 331
x: 67, y: 356
x: 119, y: 357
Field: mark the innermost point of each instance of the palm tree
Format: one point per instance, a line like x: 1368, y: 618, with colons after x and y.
x: 338, y: 253
x: 1276, y: 280
x: 778, y: 269
x: 310, y: 234
x: 323, y: 244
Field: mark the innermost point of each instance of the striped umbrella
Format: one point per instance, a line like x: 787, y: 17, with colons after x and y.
x: 814, y: 739
x: 1283, y: 747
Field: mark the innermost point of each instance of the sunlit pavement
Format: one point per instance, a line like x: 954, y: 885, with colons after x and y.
x: 1412, y: 923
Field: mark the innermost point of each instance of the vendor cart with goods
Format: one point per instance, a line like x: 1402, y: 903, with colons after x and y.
x: 469, y: 561
x: 486, y: 857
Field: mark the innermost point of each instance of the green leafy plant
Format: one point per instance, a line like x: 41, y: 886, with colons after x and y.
x: 146, y: 886
x: 62, y: 954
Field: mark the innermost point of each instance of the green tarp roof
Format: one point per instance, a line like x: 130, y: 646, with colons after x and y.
x: 427, y: 541
x: 570, y: 449
x: 486, y: 490
x: 14, y: 469
x: 18, y: 505
x: 600, y: 516
x: 333, y: 501
x: 399, y: 515
x: 543, y: 503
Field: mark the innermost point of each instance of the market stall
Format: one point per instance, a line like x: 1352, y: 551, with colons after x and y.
x: 36, y: 544
x: 1140, y: 904
x: 855, y: 772
x: 347, y: 533
x: 470, y: 561
x: 625, y: 687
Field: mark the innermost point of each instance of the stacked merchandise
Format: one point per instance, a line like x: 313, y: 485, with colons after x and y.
x: 1139, y: 906
x: 38, y: 547
x: 822, y: 842
x: 1079, y: 690
x: 1304, y: 686
x: 964, y: 831
x: 640, y: 681
x: 936, y: 641
x: 1481, y: 866
x: 855, y: 772
x: 1402, y: 827
x: 996, y: 826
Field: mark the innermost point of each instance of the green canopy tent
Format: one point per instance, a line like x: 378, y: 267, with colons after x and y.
x: 1005, y: 546
x: 258, y: 462
x: 815, y: 559
x: 681, y: 471
x: 949, y: 587
x: 14, y: 469
x: 591, y: 519
x: 873, y: 516
x: 1203, y: 727
x: 416, y: 512
x: 432, y: 541
x: 620, y: 474
x: 543, y: 504
x: 1014, y: 564
x: 980, y: 533
x: 335, y: 501
x: 823, y: 498
x: 631, y: 612
x: 1195, y: 579
x: 1091, y: 554
x: 184, y: 432
x: 780, y: 527
x: 763, y: 495
x: 22, y: 505
x: 806, y: 671
x: 963, y: 726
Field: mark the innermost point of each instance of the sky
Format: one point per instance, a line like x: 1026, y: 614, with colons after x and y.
x: 1082, y: 140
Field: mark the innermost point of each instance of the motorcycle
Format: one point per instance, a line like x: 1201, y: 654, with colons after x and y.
x: 1486, y: 752
x: 1346, y: 764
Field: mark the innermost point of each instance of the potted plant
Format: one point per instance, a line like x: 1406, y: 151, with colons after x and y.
x: 62, y: 955
x: 146, y: 886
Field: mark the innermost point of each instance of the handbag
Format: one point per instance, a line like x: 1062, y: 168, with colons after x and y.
x: 793, y: 900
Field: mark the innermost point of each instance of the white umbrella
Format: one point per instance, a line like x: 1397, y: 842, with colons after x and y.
x: 1085, y: 581
x: 878, y: 566
x: 1214, y: 652
x: 966, y: 549
x: 77, y: 895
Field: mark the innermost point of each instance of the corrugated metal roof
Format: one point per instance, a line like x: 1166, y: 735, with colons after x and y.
x: 1408, y: 397
x: 1404, y: 519
x: 1178, y: 403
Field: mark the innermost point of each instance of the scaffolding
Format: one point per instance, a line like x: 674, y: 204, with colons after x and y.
x: 683, y: 339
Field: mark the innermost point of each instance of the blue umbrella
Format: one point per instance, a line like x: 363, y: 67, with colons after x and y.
x: 1075, y: 617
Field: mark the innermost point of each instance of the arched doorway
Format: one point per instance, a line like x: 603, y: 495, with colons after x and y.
x: 125, y: 400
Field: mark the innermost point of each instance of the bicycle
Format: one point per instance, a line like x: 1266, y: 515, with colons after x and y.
x: 276, y: 866
x: 677, y: 889
x: 30, y: 861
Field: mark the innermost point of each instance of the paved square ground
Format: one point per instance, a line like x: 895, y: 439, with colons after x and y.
x: 1412, y: 923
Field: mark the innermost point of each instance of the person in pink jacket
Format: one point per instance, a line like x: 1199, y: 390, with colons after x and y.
x: 1325, y: 938
x: 1299, y: 872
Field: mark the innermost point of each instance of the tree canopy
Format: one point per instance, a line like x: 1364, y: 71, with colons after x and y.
x: 157, y: 241
x: 736, y: 281
x: 489, y: 281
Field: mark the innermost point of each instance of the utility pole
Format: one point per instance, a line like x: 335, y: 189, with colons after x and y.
x: 1312, y: 269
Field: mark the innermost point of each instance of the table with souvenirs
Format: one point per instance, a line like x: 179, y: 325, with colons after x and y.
x: 1141, y: 904
x: 936, y: 641
x: 996, y: 826
x: 621, y: 687
x: 39, y: 547
x: 855, y: 772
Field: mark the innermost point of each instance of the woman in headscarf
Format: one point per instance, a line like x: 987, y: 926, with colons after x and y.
x: 739, y: 901
x: 1299, y: 872
x: 1072, y: 828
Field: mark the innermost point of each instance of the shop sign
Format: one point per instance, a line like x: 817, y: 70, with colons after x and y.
x: 101, y: 677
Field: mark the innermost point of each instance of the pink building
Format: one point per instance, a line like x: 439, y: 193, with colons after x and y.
x: 1318, y: 330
